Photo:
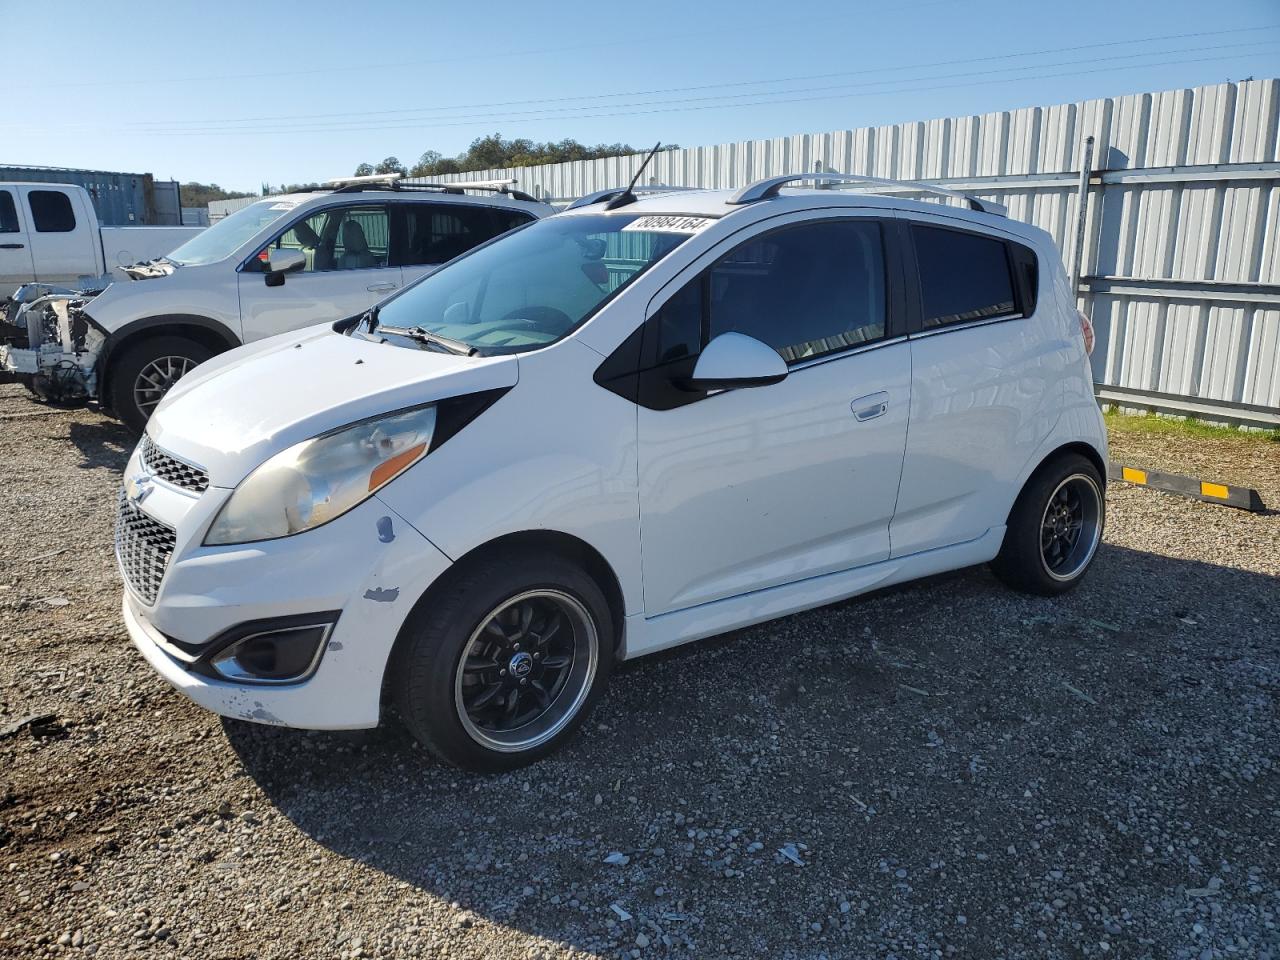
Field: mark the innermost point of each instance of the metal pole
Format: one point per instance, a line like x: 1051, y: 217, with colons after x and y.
x: 1082, y: 216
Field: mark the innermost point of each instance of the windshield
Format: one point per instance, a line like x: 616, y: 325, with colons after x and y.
x: 227, y: 235
x: 535, y: 285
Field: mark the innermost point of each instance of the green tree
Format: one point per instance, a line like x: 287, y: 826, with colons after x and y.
x: 389, y: 165
x: 199, y: 194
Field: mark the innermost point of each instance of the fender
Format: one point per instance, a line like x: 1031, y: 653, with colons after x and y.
x: 218, y: 335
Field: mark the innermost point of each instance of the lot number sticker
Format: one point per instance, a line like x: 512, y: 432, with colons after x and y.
x: 670, y: 224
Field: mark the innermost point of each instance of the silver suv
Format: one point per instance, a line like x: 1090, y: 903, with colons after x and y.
x: 278, y: 264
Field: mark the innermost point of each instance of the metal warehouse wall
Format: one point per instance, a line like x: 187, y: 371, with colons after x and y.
x: 1181, y: 272
x: 119, y: 199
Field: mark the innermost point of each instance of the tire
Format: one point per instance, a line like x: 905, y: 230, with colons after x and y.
x: 163, y: 361
x: 1039, y: 554
x: 462, y: 712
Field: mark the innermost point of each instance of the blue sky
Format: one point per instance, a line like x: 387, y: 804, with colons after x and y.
x: 238, y: 92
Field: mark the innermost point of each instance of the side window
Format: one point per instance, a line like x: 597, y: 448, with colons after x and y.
x: 436, y: 232
x: 51, y: 211
x: 504, y: 220
x: 8, y: 213
x: 345, y: 238
x: 963, y: 276
x: 806, y: 290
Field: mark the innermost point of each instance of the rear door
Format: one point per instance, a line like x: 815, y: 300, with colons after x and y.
x: 986, y: 375
x: 348, y: 249
x: 746, y: 489
x: 62, y: 243
x: 430, y: 233
x: 15, y: 244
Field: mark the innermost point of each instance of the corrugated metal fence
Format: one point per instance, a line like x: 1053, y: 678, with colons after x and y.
x: 1180, y: 268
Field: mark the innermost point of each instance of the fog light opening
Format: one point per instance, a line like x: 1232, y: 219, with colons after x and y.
x: 278, y: 656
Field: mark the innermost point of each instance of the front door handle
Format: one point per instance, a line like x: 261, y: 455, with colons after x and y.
x: 376, y: 287
x: 871, y: 406
x: 11, y: 246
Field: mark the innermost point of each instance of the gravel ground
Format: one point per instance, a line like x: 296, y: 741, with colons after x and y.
x: 936, y: 770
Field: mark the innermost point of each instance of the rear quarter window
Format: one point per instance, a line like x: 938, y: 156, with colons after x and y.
x: 964, y: 276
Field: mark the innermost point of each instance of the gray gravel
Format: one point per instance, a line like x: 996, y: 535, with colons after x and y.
x: 937, y: 770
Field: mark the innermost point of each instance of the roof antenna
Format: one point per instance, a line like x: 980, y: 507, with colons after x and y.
x: 626, y: 196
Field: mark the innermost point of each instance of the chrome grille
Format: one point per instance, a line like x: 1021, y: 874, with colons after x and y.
x: 170, y: 469
x: 143, y: 547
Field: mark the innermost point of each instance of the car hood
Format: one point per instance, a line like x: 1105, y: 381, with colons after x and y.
x: 243, y: 407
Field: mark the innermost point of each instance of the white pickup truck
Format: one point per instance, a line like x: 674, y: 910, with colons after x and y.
x: 50, y: 234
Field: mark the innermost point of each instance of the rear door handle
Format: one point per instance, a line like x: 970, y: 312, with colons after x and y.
x: 11, y: 246
x: 871, y: 406
x: 375, y: 287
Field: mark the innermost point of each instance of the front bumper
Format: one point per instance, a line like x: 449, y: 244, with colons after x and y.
x: 347, y: 565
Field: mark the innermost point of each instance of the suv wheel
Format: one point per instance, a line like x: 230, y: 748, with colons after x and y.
x: 146, y: 372
x: 504, y: 666
x: 1054, y: 528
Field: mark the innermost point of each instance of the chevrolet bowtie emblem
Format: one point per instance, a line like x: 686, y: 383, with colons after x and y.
x: 136, y: 488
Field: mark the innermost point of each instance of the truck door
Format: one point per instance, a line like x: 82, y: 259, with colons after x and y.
x: 62, y: 243
x: 15, y: 245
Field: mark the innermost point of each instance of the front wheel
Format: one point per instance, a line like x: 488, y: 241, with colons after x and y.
x: 147, y: 371
x: 1054, y: 528
x: 501, y: 668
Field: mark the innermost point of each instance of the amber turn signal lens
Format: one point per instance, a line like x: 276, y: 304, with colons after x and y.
x: 388, y: 469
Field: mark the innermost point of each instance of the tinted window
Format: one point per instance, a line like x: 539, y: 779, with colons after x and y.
x: 51, y: 211
x: 806, y: 291
x: 963, y: 276
x: 341, y: 238
x: 8, y: 213
x: 437, y: 232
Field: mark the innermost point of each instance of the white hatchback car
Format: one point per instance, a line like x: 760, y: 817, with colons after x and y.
x: 621, y: 428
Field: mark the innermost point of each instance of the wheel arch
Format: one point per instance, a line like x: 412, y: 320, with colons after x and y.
x: 1086, y: 450
x: 1080, y: 447
x: 210, y: 333
x: 552, y: 541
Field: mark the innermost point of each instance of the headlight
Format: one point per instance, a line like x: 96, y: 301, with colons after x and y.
x: 320, y: 479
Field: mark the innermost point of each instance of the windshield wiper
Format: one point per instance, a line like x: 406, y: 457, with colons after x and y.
x: 422, y: 335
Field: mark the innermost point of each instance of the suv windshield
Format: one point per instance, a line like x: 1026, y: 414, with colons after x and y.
x: 226, y: 236
x: 537, y: 284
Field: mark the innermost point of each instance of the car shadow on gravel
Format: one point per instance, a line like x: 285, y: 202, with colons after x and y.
x: 103, y: 443
x: 932, y: 751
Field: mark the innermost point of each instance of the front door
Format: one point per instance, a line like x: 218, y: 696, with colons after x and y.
x: 347, y: 271
x: 15, y: 244
x: 750, y: 488
x: 61, y: 244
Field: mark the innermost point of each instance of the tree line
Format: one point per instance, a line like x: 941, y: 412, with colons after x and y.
x: 492, y: 151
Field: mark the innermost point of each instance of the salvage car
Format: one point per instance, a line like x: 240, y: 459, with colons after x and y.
x: 278, y: 264
x: 643, y: 421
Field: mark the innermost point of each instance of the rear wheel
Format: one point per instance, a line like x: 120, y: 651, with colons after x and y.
x: 503, y: 666
x: 147, y: 371
x: 1054, y: 528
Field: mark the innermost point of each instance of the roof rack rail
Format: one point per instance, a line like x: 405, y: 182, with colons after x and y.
x: 396, y: 182
x: 768, y: 188
x: 612, y: 192
x: 375, y: 178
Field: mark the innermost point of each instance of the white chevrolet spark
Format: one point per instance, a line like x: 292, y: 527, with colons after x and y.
x: 640, y: 422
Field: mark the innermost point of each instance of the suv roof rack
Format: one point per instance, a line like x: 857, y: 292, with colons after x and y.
x: 612, y: 192
x: 768, y: 188
x: 395, y: 181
